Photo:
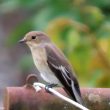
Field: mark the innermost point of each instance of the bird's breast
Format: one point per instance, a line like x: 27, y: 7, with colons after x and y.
x: 39, y: 57
x: 40, y: 60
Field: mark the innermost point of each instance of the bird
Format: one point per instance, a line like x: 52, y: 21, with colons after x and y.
x: 52, y: 64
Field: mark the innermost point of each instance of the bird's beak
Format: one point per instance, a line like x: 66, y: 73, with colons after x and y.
x: 22, y: 40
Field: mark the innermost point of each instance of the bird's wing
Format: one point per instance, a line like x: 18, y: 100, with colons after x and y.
x: 62, y: 70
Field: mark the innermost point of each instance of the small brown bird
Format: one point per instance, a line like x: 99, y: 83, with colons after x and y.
x: 52, y: 64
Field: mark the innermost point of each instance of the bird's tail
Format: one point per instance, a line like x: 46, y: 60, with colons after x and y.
x: 76, y: 93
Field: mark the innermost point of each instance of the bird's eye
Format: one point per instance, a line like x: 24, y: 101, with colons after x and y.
x: 33, y: 37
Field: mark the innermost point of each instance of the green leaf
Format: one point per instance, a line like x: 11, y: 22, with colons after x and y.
x: 104, y: 30
x: 73, y: 39
x: 93, y: 16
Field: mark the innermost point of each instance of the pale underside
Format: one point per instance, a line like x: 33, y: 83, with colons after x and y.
x: 40, y: 60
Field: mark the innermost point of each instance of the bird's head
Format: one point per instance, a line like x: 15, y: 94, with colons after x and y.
x: 34, y: 38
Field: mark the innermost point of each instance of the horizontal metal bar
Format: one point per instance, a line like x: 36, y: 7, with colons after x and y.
x: 26, y: 98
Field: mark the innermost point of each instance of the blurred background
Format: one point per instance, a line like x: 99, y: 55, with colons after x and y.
x: 81, y: 28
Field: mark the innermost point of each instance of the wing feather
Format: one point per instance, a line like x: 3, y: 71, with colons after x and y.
x: 62, y: 70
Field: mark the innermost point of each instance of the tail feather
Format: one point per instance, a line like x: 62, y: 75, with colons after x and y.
x: 76, y: 93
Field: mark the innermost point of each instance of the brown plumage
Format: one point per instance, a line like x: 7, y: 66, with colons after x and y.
x: 52, y: 64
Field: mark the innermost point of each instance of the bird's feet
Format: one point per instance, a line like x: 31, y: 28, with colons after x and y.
x: 50, y: 86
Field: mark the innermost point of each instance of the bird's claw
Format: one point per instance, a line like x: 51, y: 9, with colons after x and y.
x: 50, y: 86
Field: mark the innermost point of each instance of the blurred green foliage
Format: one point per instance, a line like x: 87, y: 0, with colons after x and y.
x: 81, y: 28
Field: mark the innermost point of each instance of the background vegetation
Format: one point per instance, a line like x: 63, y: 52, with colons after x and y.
x: 81, y: 28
